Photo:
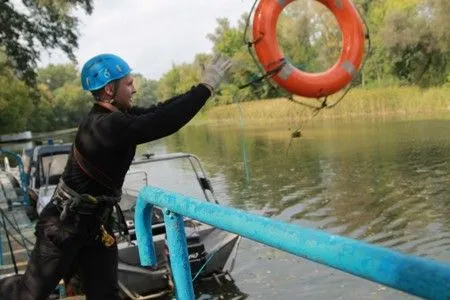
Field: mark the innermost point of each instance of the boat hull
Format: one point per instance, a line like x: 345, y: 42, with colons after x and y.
x: 208, y: 248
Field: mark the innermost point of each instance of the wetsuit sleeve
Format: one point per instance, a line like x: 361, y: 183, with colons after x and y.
x: 168, y: 117
x: 136, y: 110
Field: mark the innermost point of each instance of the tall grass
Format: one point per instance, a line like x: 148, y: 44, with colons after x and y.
x: 371, y: 103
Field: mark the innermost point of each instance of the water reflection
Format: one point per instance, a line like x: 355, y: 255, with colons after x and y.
x: 223, y: 289
x: 385, y: 183
x: 380, y: 182
x: 212, y: 289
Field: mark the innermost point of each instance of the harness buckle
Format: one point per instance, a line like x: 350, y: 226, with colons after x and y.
x: 107, y: 239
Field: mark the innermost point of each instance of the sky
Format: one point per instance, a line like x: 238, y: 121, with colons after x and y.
x: 150, y: 35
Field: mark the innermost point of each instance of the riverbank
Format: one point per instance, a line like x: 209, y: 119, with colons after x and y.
x: 53, y: 134
x: 359, y: 103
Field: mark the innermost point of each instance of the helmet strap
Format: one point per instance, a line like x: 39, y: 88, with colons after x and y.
x: 115, y: 87
x: 115, y: 84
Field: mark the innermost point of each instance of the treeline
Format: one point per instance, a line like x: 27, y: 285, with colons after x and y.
x: 410, y: 46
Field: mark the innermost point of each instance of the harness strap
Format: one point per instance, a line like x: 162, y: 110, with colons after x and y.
x: 92, y: 205
x: 121, y: 220
x: 90, y: 169
x: 94, y: 172
x: 84, y: 204
x: 101, y: 207
x: 70, y: 193
x: 107, y: 105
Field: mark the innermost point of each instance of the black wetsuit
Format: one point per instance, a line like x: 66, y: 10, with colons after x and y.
x: 107, y: 140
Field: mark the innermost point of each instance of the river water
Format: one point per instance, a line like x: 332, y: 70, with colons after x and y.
x: 382, y: 182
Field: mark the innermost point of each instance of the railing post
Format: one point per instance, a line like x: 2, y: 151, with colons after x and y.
x: 23, y: 175
x: 1, y: 248
x: 415, y: 275
x: 143, y: 225
x: 178, y: 253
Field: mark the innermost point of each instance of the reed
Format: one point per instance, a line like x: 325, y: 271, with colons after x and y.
x: 372, y: 103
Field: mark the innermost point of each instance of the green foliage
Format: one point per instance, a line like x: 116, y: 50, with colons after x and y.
x: 15, y: 104
x: 55, y: 76
x: 226, y: 39
x: 28, y: 26
x: 42, y: 116
x: 168, y: 83
x: 359, y: 103
x: 415, y: 36
x: 410, y: 46
x: 309, y: 36
x: 62, y: 101
x: 181, y: 78
x: 146, y: 91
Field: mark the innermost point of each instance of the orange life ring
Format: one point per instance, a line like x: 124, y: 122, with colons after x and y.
x: 312, y: 85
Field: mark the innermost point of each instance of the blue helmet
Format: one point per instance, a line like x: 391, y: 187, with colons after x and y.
x: 101, y: 70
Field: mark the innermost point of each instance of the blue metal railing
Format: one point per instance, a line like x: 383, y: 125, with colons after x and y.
x: 22, y: 174
x: 414, y: 275
x: 23, y: 187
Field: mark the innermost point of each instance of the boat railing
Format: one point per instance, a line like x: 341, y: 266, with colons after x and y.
x: 134, y: 173
x: 194, y: 161
x: 417, y: 276
x: 22, y: 174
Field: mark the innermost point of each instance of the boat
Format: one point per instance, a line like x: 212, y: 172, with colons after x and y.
x: 44, y: 165
x: 10, y: 190
x: 16, y: 137
x: 209, y: 248
x: 17, y: 232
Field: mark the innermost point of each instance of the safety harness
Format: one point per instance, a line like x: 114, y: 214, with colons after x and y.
x: 84, y: 204
x: 72, y: 202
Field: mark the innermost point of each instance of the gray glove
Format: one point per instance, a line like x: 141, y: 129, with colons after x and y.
x: 215, y: 71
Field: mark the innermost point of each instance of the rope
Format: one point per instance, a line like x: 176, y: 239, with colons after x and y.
x: 16, y: 229
x: 24, y: 239
x: 204, y: 265
x: 324, y: 104
x: 214, y: 253
x: 244, y: 145
x: 13, y: 258
x: 268, y: 74
x: 250, y: 44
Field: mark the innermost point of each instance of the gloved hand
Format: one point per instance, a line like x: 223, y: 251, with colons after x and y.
x: 215, y: 71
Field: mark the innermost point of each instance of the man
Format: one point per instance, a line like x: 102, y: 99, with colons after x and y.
x: 74, y: 226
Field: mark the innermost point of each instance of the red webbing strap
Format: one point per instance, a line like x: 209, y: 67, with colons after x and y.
x: 93, y: 172
x: 107, y: 105
x: 87, y: 167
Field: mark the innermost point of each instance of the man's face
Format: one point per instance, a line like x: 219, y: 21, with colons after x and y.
x: 124, y: 92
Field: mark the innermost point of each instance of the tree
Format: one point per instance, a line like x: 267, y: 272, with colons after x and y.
x: 27, y: 26
x: 15, y: 104
x: 417, y: 39
x: 226, y: 39
x: 62, y: 102
x: 168, y: 83
x: 229, y: 40
x: 146, y: 91
x: 55, y: 76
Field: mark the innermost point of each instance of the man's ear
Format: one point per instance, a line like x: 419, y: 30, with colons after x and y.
x: 109, y: 90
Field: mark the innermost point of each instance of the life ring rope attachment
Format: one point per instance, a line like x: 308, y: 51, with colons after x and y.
x: 282, y: 69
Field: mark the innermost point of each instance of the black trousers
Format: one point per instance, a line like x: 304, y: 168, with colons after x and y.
x: 60, y: 245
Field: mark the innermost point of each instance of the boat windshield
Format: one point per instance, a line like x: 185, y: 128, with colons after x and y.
x: 52, y: 167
